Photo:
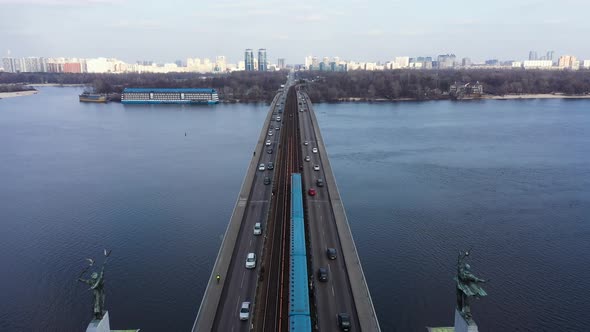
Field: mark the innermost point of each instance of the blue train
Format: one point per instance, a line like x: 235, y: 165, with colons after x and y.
x: 299, y: 315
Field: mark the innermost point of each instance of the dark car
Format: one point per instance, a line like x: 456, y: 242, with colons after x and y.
x: 323, y: 274
x: 320, y: 182
x: 266, y: 180
x: 344, y: 321
x: 270, y: 165
x: 331, y: 253
x: 269, y: 151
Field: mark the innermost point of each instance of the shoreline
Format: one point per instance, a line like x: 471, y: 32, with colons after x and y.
x: 537, y: 96
x: 17, y: 94
x: 56, y: 85
x: 484, y: 97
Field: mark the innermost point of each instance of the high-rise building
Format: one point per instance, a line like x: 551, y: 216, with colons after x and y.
x: 550, y: 55
x: 10, y: 65
x: 262, y: 64
x: 401, y: 62
x: 220, y: 64
x: 249, y: 59
x: 466, y: 62
x: 568, y: 62
x: 533, y: 55
x: 308, y: 62
x: 446, y: 61
x: 281, y: 63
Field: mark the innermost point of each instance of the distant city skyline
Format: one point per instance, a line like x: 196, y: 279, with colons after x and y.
x: 376, y: 31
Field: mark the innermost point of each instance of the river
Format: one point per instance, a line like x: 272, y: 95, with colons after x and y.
x: 419, y: 180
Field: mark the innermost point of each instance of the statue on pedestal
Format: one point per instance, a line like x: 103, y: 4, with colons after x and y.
x: 467, y: 286
x: 96, y: 283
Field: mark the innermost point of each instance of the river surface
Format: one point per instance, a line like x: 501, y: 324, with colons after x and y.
x: 420, y: 181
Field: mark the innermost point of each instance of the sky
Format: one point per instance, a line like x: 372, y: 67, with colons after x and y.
x: 379, y: 30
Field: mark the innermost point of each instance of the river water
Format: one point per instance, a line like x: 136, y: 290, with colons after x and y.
x: 420, y: 181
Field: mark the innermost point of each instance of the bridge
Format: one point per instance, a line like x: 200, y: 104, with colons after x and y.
x: 314, y: 264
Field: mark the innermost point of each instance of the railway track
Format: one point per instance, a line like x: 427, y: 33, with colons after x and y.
x: 274, y: 291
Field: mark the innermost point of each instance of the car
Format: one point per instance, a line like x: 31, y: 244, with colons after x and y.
x: 268, y: 142
x: 257, y: 228
x: 251, y: 260
x: 316, y: 167
x: 270, y: 133
x: 319, y: 182
x: 307, y: 158
x: 278, y: 118
x: 270, y: 166
x: 269, y: 150
x: 266, y: 180
x: 277, y: 128
x: 261, y: 167
x: 331, y: 252
x: 323, y: 274
x: 344, y: 321
x: 245, y: 311
x: 314, y: 150
x: 305, y: 143
x: 311, y: 192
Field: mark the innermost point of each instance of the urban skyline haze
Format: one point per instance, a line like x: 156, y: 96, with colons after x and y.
x: 367, y: 30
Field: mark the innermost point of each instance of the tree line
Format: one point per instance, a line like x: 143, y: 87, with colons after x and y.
x: 232, y: 87
x: 330, y: 86
x: 435, y: 84
x: 15, y: 87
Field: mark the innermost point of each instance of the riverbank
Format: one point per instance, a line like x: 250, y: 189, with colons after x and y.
x: 446, y: 97
x: 57, y: 85
x: 538, y: 96
x: 17, y: 94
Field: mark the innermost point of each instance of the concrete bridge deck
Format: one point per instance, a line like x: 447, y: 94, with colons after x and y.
x: 345, y: 291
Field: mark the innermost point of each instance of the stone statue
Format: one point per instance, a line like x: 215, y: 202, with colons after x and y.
x: 467, y: 286
x: 96, y: 283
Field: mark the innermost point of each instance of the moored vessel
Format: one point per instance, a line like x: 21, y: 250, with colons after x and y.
x: 88, y: 97
x: 169, y: 96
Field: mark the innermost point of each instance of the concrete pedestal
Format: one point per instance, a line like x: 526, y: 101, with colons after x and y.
x: 464, y: 325
x: 102, y: 325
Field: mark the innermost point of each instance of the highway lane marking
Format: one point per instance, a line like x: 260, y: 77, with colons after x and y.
x: 238, y: 304
x: 333, y: 295
x: 242, y: 283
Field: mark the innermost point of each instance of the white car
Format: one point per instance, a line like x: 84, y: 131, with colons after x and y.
x: 270, y: 133
x: 314, y: 150
x: 268, y: 142
x: 307, y: 158
x: 257, y: 229
x: 251, y: 261
x: 261, y: 167
x: 305, y: 143
x: 245, y: 311
x: 316, y: 167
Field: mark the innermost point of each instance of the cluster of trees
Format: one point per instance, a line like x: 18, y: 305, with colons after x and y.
x: 435, y: 84
x: 233, y: 87
x: 331, y: 86
x: 15, y: 87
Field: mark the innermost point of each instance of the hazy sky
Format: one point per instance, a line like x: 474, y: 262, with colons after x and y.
x: 352, y: 29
